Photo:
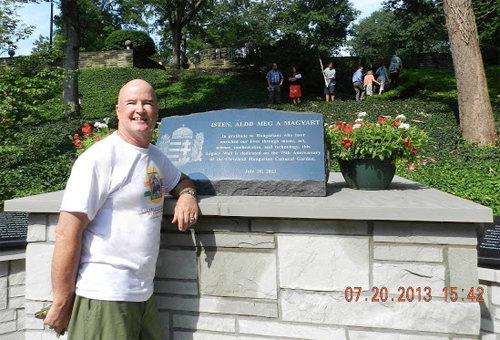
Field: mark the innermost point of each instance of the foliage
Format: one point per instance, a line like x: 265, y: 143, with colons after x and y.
x: 141, y: 41
x: 421, y: 26
x: 11, y: 29
x: 488, y: 25
x: 97, y: 20
x: 30, y: 89
x: 386, y: 138
x: 100, y: 88
x: 39, y: 158
x: 375, y: 37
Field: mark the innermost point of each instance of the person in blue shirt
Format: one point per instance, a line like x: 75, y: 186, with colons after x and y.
x: 382, y: 77
x: 357, y: 83
x: 274, y: 82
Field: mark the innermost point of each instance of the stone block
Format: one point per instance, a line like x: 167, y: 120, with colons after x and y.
x: 7, y: 327
x: 178, y: 264
x: 238, y: 274
x: 16, y: 302
x: 35, y: 219
x: 17, y: 275
x: 282, y: 330
x: 218, y: 305
x: 4, y: 269
x: 7, y: 315
x: 495, y: 294
x: 436, y: 316
x: 415, y: 275
x: 216, y: 336
x: 16, y: 291
x: 165, y: 325
x: 488, y: 336
x: 36, y: 233
x: 323, y: 263
x: 368, y: 335
x: 427, y: 233
x: 3, y: 292
x: 205, y: 322
x: 30, y: 322
x: 20, y: 316
x: 296, y: 226
x: 213, y: 224
x: 18, y: 335
x: 176, y: 287
x: 220, y: 240
x: 407, y: 253
x: 38, y: 268
x: 462, y: 264
x: 207, y: 223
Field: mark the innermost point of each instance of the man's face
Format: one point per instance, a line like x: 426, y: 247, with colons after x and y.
x: 275, y: 66
x: 330, y: 66
x: 137, y: 111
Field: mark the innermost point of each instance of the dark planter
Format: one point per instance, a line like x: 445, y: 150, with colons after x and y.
x: 368, y: 174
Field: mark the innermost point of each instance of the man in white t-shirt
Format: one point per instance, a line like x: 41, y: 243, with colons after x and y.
x: 108, y: 233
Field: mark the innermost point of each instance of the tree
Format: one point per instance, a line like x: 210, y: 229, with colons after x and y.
x: 488, y: 26
x: 11, y: 30
x: 71, y: 28
x: 421, y: 25
x: 376, y: 37
x: 176, y: 14
x: 476, y: 115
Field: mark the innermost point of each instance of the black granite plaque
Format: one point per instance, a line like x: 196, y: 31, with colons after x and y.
x: 13, y: 228
x: 248, y: 152
x: 488, y: 245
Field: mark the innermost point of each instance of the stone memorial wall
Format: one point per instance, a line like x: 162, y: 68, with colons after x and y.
x: 248, y: 152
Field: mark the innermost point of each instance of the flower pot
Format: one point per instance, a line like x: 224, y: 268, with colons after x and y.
x: 368, y: 173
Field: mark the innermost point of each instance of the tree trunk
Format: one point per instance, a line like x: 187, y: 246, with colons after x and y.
x: 176, y: 40
x: 476, y: 115
x: 71, y: 27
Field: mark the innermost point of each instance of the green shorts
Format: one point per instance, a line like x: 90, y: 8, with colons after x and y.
x: 105, y: 320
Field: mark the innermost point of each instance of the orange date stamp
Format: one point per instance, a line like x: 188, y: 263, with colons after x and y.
x: 410, y: 294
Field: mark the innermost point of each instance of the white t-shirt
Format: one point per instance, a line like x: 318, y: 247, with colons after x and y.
x: 121, y: 188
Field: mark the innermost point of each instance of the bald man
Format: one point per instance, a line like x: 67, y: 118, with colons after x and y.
x: 108, y: 233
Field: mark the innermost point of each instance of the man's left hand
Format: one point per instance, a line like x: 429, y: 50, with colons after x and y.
x: 185, y: 212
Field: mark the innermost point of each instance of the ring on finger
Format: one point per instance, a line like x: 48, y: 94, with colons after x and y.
x: 191, y: 219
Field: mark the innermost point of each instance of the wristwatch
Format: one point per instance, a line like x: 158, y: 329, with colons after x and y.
x: 189, y: 192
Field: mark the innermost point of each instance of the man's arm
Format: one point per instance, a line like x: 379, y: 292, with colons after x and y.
x: 65, y: 262
x: 186, y: 209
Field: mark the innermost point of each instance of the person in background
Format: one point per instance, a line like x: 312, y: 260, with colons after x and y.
x: 108, y: 233
x: 357, y: 83
x: 330, y: 82
x: 382, y: 77
x: 274, y: 82
x: 368, y: 83
x: 295, y: 85
x: 394, y: 69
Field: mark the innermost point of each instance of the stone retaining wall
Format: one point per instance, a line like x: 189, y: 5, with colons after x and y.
x: 12, y: 287
x: 280, y: 267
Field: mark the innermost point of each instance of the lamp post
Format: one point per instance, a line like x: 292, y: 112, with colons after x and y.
x: 51, y: 23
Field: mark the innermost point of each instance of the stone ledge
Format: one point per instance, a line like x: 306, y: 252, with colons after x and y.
x: 404, y: 201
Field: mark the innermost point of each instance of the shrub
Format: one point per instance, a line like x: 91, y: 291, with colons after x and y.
x: 141, y: 41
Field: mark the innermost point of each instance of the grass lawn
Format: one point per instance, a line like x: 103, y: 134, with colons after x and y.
x: 41, y: 157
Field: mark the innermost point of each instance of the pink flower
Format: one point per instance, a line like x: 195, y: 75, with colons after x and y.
x: 411, y: 166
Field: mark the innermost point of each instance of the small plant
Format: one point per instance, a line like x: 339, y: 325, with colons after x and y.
x: 90, y: 135
x: 385, y: 138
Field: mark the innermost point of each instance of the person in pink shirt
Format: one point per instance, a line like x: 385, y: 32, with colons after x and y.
x: 368, y: 82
